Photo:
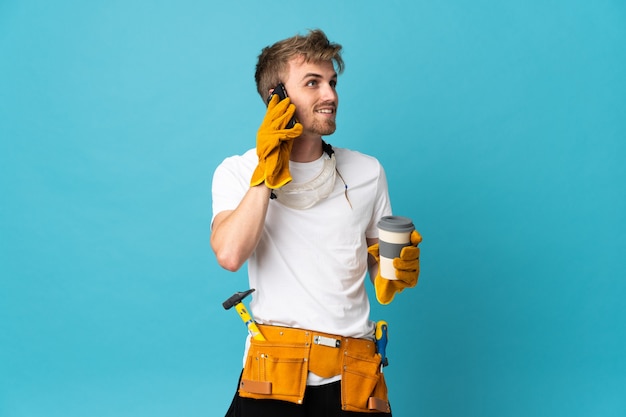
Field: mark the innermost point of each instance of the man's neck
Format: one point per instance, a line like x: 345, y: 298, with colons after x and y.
x: 306, y: 149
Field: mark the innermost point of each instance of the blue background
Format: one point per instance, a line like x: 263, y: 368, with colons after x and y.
x: 502, y: 129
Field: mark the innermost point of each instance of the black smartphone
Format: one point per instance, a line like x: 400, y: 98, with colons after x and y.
x: 282, y: 94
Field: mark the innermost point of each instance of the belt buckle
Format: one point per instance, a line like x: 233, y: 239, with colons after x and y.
x: 326, y: 341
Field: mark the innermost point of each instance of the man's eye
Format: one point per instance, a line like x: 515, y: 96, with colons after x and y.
x: 333, y: 84
x: 312, y: 83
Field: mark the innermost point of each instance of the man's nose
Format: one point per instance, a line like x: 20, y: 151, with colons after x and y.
x: 329, y: 93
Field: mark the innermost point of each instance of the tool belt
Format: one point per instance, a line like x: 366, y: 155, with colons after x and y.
x: 278, y: 367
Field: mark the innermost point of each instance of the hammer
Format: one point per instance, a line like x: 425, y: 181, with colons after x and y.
x: 236, y: 300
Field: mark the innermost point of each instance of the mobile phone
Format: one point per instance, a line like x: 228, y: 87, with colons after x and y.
x: 282, y: 94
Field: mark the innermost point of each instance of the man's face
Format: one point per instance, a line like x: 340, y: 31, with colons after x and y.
x: 311, y: 87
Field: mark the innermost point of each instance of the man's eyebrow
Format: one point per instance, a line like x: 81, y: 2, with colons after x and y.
x: 315, y: 75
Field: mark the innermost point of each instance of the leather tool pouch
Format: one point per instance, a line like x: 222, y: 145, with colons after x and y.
x: 278, y: 368
x: 363, y: 386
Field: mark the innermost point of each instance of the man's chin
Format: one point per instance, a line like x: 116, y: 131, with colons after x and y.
x: 325, y: 129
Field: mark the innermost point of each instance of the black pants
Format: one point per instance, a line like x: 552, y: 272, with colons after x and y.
x: 319, y: 401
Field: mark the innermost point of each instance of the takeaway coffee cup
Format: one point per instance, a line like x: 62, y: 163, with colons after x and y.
x: 394, y: 233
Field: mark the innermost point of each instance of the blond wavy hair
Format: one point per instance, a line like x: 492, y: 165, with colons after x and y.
x: 272, y: 63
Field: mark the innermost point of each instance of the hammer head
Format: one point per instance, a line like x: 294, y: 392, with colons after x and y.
x: 236, y: 298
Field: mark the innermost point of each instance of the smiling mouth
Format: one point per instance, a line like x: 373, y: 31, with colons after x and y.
x: 326, y: 111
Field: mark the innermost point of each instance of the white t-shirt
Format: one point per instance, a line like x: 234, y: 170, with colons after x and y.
x: 310, y: 265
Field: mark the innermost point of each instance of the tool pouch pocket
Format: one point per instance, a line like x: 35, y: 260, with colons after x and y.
x: 363, y: 387
x: 275, y: 370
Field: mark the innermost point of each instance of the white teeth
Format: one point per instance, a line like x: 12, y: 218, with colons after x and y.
x: 328, y: 111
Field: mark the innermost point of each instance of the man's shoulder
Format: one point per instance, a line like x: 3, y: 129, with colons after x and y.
x: 353, y: 156
x: 249, y: 154
x: 245, y: 159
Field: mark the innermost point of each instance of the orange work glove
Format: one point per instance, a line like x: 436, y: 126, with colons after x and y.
x: 274, y: 143
x: 407, y: 268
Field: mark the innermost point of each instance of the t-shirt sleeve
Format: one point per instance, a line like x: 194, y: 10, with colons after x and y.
x: 382, y: 204
x: 231, y: 181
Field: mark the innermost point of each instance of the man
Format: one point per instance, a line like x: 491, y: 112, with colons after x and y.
x: 303, y: 215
